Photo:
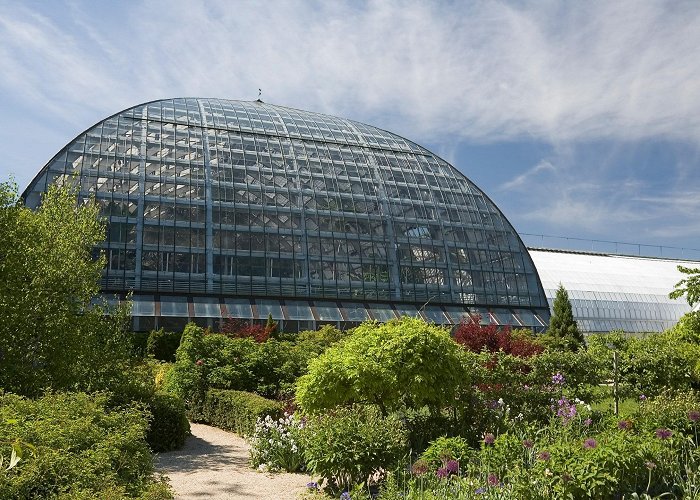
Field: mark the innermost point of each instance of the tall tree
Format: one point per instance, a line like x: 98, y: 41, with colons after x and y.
x: 563, y: 332
x: 50, y: 333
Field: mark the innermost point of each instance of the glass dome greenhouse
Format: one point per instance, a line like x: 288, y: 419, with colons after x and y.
x: 220, y: 208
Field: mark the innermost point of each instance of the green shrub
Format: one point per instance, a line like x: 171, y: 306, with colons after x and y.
x: 238, y: 411
x: 83, y: 449
x: 346, y: 445
x: 162, y: 345
x: 444, y: 448
x: 138, y: 341
x: 679, y: 411
x: 168, y: 424
x: 404, y: 362
x: 187, y: 378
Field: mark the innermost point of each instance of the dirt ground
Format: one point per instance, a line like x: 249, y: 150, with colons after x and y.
x: 214, y: 464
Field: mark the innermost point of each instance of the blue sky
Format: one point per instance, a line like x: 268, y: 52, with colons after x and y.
x: 579, y: 119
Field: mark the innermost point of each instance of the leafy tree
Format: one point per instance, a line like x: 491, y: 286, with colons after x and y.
x: 690, y: 286
x: 563, y: 332
x: 404, y: 362
x: 50, y: 333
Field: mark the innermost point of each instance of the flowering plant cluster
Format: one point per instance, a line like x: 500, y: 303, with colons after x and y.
x: 275, y: 444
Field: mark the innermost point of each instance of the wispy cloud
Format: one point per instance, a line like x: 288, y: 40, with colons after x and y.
x: 527, y: 177
x: 566, y: 74
x: 484, y: 71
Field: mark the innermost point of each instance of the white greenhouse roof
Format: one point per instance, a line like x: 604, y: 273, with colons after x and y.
x: 609, y: 292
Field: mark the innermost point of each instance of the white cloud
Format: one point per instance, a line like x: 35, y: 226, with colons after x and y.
x: 484, y: 71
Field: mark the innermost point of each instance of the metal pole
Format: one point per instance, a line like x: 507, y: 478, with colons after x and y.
x: 615, y: 395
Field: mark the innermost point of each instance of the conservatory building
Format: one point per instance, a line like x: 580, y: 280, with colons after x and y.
x: 220, y: 208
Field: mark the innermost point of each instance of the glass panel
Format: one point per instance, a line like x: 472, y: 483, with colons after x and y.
x: 406, y: 310
x: 434, y: 314
x: 328, y: 311
x: 457, y: 314
x: 299, y: 310
x: 267, y: 307
x: 503, y: 317
x: 206, y: 307
x: 174, y: 306
x: 239, y: 308
x: 382, y: 312
x: 143, y: 305
x: 355, y: 312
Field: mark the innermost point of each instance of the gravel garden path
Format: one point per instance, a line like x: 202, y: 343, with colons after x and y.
x: 214, y: 464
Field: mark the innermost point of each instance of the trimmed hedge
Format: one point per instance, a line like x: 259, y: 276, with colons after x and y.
x: 238, y: 411
x: 169, y: 426
x: 82, y: 449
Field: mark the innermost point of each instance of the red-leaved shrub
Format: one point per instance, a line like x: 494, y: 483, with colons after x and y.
x: 493, y: 338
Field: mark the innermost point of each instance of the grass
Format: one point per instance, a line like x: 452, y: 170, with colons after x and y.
x: 605, y: 401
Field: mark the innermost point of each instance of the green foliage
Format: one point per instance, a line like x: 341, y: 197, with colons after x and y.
x: 138, y: 341
x: 269, y: 368
x: 669, y: 410
x: 238, y: 411
x: 276, y: 444
x: 688, y: 328
x: 346, y: 445
x: 563, y: 332
x: 690, y: 286
x: 50, y: 335
x: 84, y: 449
x: 187, y: 379
x: 444, y: 448
x: 168, y: 427
x: 558, y: 461
x: 400, y: 363
x: 649, y: 365
x: 162, y: 345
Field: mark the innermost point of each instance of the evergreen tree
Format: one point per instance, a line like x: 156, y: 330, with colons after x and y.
x: 563, y: 332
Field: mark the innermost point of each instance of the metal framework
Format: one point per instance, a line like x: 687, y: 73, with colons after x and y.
x: 212, y: 200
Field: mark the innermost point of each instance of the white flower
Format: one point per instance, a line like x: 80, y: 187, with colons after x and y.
x: 262, y: 467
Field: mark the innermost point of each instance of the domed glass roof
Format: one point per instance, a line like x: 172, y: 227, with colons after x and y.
x: 220, y: 198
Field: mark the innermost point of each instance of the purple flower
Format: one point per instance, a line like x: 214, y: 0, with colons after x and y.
x: 489, y: 439
x: 624, y: 425
x: 544, y: 456
x: 642, y: 397
x: 480, y: 491
x: 694, y: 415
x: 587, y: 422
x: 493, y: 479
x: 566, y: 477
x: 663, y: 434
x: 566, y: 410
x: 558, y: 379
x: 442, y: 473
x: 527, y: 443
x: 420, y: 467
x: 312, y: 485
x: 345, y: 496
x: 452, y: 466
x: 590, y: 443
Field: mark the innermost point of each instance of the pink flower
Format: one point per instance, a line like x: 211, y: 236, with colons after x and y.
x: 489, y: 439
x: 493, y: 479
x: 199, y: 362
